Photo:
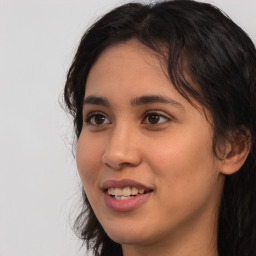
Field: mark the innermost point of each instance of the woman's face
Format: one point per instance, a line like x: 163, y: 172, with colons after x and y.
x: 145, y: 154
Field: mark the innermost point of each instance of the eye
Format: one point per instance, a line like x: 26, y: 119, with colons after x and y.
x: 155, y: 118
x: 97, y: 119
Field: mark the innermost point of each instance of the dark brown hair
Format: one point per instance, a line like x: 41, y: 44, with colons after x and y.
x: 220, y: 59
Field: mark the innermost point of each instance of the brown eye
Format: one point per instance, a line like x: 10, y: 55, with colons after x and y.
x: 97, y: 119
x: 155, y: 118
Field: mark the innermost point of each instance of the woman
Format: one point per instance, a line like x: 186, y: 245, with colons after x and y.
x: 163, y: 99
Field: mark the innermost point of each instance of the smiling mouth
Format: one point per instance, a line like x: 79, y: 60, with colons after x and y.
x: 126, y: 193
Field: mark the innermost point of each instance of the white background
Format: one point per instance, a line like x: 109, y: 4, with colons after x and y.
x: 39, y: 185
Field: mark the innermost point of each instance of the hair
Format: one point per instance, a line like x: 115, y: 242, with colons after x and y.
x: 198, y: 41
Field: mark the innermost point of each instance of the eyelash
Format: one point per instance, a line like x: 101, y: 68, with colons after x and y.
x: 92, y: 115
x: 155, y: 112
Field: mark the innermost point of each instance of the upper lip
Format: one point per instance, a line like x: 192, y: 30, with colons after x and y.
x: 124, y: 183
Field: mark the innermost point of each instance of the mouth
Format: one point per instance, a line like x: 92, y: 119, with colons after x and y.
x: 125, y: 195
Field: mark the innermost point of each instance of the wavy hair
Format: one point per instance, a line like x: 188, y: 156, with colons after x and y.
x: 197, y: 40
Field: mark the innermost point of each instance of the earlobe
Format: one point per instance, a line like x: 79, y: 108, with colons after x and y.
x: 237, y: 149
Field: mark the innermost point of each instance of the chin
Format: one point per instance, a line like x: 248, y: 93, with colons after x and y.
x: 121, y: 235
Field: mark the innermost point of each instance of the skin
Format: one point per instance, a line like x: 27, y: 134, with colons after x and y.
x: 173, y: 156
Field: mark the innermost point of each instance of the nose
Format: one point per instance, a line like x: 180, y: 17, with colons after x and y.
x: 122, y: 149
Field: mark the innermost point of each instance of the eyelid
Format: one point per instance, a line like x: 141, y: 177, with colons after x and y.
x: 90, y: 115
x: 165, y: 116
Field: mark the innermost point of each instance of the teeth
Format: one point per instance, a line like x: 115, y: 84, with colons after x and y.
x: 111, y: 191
x: 118, y: 191
x: 141, y: 191
x: 125, y: 193
x: 134, y: 191
x: 123, y: 197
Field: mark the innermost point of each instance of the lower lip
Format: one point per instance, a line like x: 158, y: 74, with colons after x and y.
x: 125, y: 205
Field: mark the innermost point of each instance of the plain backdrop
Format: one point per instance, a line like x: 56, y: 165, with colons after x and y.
x: 39, y: 185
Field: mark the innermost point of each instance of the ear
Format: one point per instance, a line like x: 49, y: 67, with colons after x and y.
x: 236, y: 150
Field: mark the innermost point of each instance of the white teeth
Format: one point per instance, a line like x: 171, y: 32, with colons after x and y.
x: 134, y: 191
x: 111, y: 191
x: 118, y: 191
x: 123, y: 197
x: 125, y: 193
x: 141, y: 191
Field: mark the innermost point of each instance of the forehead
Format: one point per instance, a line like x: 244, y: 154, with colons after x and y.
x: 130, y: 65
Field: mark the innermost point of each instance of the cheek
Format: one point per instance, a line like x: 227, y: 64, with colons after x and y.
x: 88, y: 161
x: 184, y: 166
x: 181, y: 151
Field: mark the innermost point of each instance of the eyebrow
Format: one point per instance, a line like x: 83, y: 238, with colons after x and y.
x: 143, y: 100
x: 96, y: 101
x: 151, y: 99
